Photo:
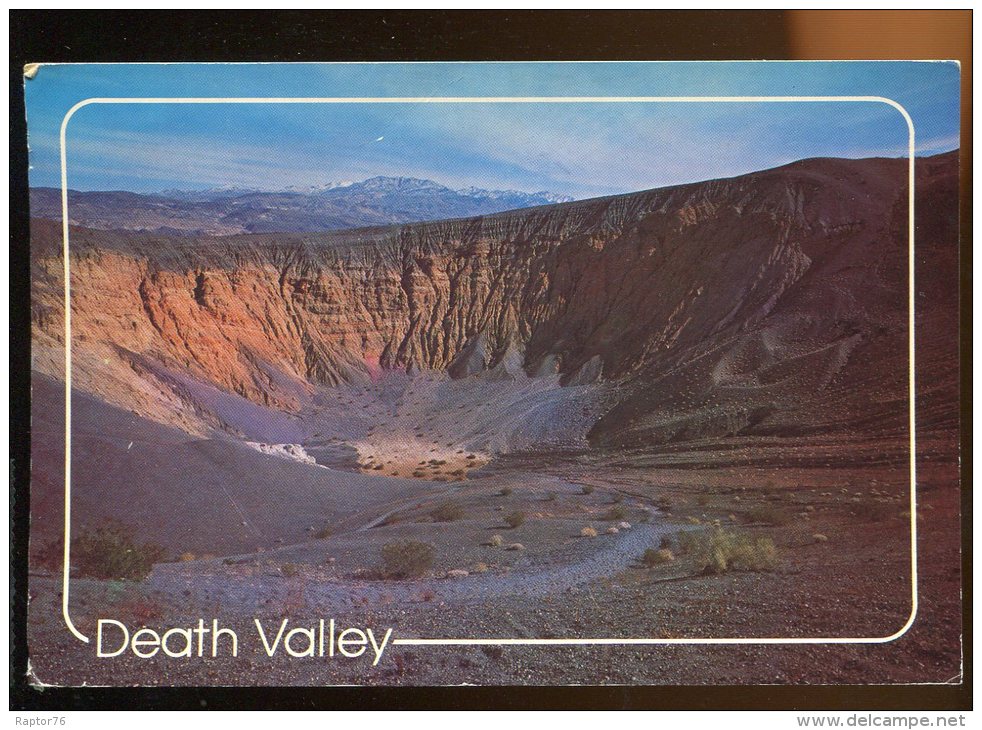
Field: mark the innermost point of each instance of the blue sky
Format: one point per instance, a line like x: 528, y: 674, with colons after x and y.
x: 576, y: 149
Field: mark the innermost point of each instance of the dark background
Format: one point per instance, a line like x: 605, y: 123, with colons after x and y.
x: 107, y: 36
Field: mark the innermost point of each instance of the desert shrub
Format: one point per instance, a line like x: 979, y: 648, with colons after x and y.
x: 447, y: 512
x: 688, y: 542
x: 550, y: 497
x: 185, y: 557
x: 324, y: 532
x: 505, y: 491
x: 615, y: 514
x: 111, y: 552
x: 665, y: 543
x: 496, y: 541
x: 407, y: 558
x: 617, y: 497
x: 588, y: 532
x: 586, y: 489
x: 289, y: 569
x: 702, y: 500
x: 873, y: 511
x: 49, y: 555
x: 657, y: 557
x: 515, y: 519
x: 719, y: 551
x: 767, y: 515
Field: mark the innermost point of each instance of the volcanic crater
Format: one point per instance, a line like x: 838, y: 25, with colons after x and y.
x: 542, y: 396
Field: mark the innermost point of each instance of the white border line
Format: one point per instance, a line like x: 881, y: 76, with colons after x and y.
x: 533, y: 100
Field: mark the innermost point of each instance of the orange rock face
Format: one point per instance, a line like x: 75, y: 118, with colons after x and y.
x: 756, y: 288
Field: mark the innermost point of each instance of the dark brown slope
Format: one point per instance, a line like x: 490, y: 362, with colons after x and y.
x: 830, y: 355
x: 721, y: 306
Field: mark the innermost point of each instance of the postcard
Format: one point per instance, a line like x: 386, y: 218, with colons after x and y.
x: 494, y: 374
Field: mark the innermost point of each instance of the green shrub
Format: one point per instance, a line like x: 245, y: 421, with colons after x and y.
x: 615, y: 514
x: 505, y: 491
x: 515, y: 519
x: 660, y: 556
x: 407, y: 558
x: 587, y: 489
x: 767, y: 515
x: 324, y: 532
x: 719, y: 551
x: 48, y: 555
x: 687, y: 542
x: 447, y: 512
x: 111, y: 552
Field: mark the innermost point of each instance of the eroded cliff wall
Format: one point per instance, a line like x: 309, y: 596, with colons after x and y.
x: 694, y: 297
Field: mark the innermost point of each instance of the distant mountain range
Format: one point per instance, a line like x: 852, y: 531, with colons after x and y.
x: 334, y: 206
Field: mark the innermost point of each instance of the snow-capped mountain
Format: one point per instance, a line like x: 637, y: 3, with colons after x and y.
x: 335, y: 205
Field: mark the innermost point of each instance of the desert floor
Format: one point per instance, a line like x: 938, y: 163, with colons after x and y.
x: 843, y: 570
